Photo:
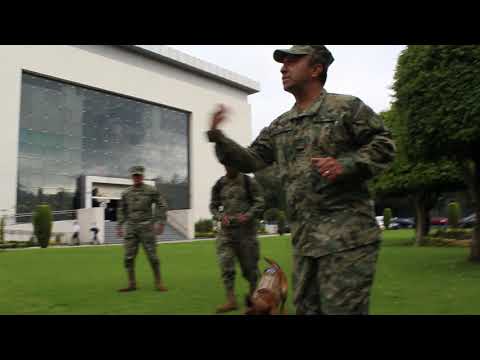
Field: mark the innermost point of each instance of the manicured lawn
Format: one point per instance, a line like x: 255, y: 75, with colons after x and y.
x: 84, y: 280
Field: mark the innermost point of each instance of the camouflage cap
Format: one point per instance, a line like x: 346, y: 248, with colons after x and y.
x: 137, y: 170
x: 325, y: 54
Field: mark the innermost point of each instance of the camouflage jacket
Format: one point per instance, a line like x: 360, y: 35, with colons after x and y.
x: 136, y: 206
x: 233, y: 199
x: 324, y: 217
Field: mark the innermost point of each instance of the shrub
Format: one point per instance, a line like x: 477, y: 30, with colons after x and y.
x: 204, y: 226
x: 453, y: 214
x: 387, y: 216
x: 271, y: 216
x: 2, y: 229
x: 42, y: 224
x: 282, y: 222
x: 204, y: 235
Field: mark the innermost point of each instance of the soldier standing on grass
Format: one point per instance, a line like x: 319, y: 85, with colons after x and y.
x: 135, y: 210
x: 236, y: 202
x: 326, y: 147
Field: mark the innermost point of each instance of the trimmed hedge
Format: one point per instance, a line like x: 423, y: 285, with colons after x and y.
x: 387, y: 217
x: 453, y: 214
x: 42, y: 224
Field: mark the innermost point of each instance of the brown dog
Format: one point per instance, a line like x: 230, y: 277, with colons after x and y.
x: 270, y: 296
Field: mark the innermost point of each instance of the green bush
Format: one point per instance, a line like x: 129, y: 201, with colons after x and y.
x: 2, y: 229
x: 282, y: 222
x: 453, y: 214
x: 387, y: 216
x: 15, y: 245
x: 271, y: 216
x: 205, y: 235
x: 204, y: 226
x: 42, y: 224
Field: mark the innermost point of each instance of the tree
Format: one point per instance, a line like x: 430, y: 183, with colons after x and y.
x: 437, y: 89
x: 421, y: 181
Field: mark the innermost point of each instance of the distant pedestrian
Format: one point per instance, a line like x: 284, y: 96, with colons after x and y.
x: 76, y: 234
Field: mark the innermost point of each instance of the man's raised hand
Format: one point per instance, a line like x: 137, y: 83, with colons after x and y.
x: 218, y: 117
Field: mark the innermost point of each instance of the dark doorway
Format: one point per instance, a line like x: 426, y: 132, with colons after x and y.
x: 111, y: 210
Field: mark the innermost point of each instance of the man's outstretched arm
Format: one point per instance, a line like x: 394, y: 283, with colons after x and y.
x: 257, y: 156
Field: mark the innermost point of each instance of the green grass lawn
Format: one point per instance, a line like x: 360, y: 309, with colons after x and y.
x: 84, y: 280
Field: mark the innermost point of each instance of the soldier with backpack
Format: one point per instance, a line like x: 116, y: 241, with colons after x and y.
x: 236, y: 202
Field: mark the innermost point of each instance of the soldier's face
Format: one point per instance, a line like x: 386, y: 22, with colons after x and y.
x: 137, y: 179
x: 297, y: 72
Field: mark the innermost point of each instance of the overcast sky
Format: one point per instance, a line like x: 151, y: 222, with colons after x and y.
x: 365, y: 71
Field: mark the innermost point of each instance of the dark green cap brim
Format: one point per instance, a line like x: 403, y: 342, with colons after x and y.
x: 280, y: 54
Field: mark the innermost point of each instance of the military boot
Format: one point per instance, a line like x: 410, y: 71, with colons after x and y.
x: 158, y: 279
x: 132, y: 283
x: 230, y: 305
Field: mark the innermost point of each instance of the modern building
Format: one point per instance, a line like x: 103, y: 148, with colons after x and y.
x: 75, y: 118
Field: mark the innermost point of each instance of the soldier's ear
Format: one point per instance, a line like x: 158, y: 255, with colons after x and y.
x: 317, y: 70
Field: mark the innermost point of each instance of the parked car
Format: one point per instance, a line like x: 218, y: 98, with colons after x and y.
x: 392, y: 226
x: 468, y: 221
x: 404, y: 223
x: 441, y: 221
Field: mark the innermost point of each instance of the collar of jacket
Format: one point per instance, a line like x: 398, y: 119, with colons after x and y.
x: 312, y: 110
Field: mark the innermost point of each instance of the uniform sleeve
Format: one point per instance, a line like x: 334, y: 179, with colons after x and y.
x: 375, y: 147
x: 257, y: 156
x: 258, y: 206
x: 215, y: 203
x: 161, y: 207
x: 122, y: 210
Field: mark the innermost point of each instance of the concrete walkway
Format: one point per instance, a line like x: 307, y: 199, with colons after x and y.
x: 106, y: 245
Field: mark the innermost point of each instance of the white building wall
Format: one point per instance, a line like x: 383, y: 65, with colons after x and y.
x: 118, y: 70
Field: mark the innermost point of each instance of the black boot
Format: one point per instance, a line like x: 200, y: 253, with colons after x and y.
x: 132, y: 283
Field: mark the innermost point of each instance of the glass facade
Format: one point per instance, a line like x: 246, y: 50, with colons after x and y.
x: 68, y: 130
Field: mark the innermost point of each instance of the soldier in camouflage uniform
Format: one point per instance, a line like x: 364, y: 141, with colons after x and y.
x: 326, y: 147
x: 236, y: 202
x: 135, y: 210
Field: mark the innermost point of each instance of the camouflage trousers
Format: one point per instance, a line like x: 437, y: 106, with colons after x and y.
x: 137, y: 234
x: 335, y: 284
x: 238, y: 243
